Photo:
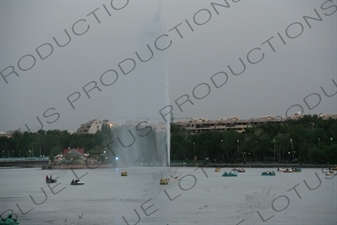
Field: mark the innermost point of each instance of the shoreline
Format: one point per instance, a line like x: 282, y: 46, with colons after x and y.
x: 205, y: 165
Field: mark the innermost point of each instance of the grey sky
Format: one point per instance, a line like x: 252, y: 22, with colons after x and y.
x: 281, y: 79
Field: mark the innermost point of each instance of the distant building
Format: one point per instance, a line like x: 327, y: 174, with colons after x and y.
x: 234, y: 123
x: 10, y: 133
x: 197, y: 125
x: 73, y: 151
x: 157, y: 127
x: 161, y: 126
x: 76, y: 153
x: 328, y: 116
x: 5, y: 134
x: 93, y: 126
x: 58, y: 157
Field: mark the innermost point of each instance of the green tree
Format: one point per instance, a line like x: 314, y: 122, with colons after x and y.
x: 54, y: 151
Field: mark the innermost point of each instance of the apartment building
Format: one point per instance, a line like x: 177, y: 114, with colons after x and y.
x: 93, y: 126
x: 234, y: 123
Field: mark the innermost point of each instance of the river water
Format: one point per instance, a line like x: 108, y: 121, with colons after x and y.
x: 201, y: 196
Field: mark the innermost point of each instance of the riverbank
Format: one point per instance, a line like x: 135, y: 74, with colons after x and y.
x: 253, y: 165
x: 179, y: 164
x: 208, y: 165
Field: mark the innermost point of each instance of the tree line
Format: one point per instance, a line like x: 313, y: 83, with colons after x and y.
x: 309, y: 139
x: 51, y: 143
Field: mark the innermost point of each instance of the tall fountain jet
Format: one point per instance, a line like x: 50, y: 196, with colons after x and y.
x: 144, y: 138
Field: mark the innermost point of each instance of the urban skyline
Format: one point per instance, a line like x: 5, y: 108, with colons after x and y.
x: 188, y: 123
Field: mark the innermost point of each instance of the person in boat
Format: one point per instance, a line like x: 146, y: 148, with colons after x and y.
x: 9, y: 219
x: 47, y: 178
x: 51, y: 177
x: 72, y: 181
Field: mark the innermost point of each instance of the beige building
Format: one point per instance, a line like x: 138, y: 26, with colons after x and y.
x: 157, y: 127
x: 234, y: 123
x: 197, y: 125
x: 93, y: 126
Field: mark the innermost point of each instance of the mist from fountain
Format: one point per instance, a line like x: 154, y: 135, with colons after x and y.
x: 144, y: 138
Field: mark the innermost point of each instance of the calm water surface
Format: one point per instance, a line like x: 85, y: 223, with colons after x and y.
x: 200, y: 197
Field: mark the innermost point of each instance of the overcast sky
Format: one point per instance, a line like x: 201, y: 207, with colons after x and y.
x: 287, y: 57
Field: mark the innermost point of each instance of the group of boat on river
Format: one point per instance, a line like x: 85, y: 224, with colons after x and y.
x: 73, y: 182
x: 9, y: 220
x: 234, y: 172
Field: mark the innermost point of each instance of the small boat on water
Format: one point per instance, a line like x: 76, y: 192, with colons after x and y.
x: 9, y: 220
x: 77, y: 182
x: 331, y: 173
x: 288, y: 171
x: 297, y: 169
x: 230, y: 174
x: 50, y: 180
x: 217, y: 169
x: 124, y: 174
x: 241, y: 170
x: 174, y: 178
x: 268, y: 173
x: 334, y: 168
x: 164, y: 181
